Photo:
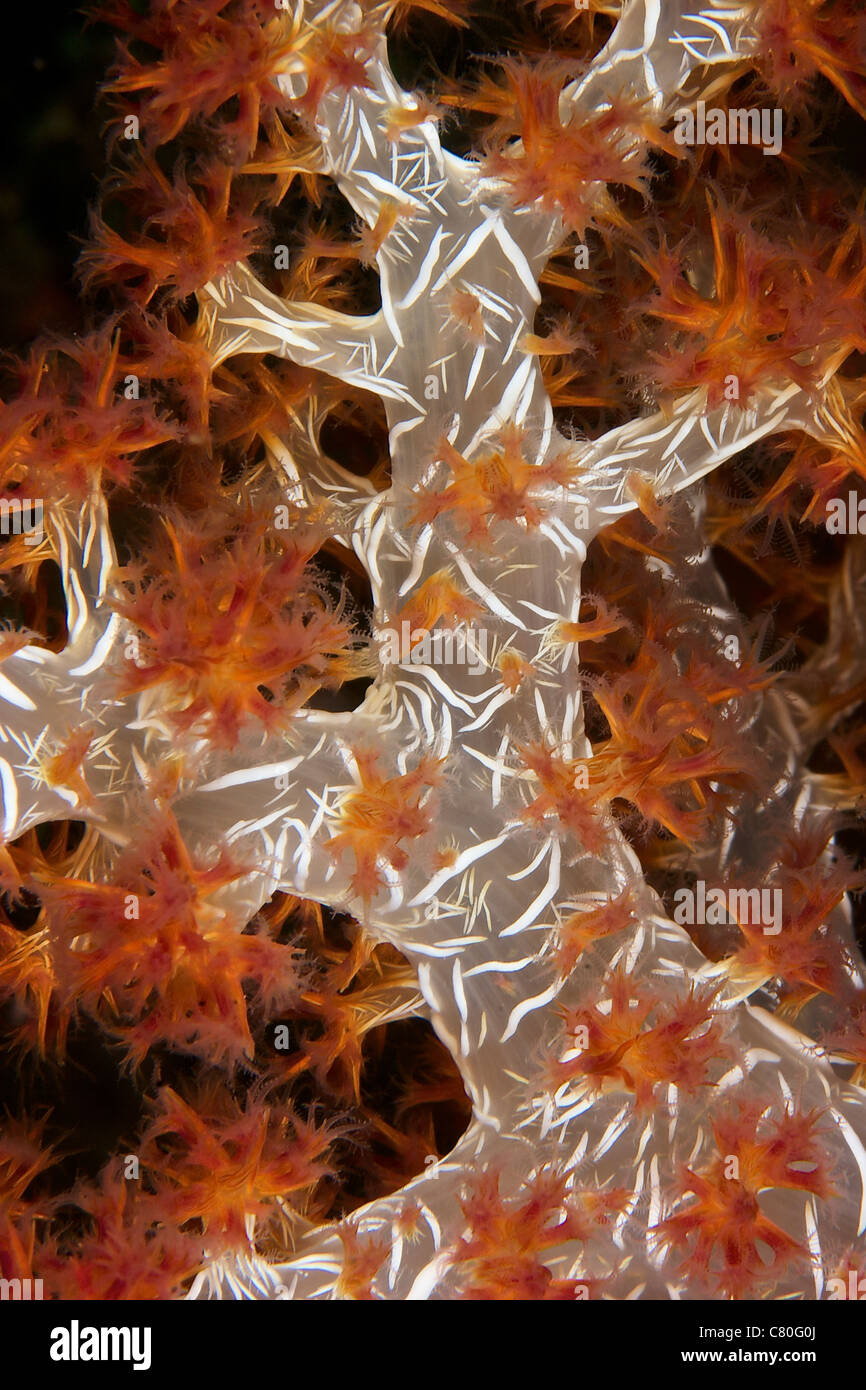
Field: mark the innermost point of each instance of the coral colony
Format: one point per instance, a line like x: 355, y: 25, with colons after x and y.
x: 459, y: 930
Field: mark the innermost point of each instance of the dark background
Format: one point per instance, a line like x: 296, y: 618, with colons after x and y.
x: 53, y: 160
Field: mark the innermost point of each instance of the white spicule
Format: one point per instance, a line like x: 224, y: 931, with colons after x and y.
x: 481, y: 933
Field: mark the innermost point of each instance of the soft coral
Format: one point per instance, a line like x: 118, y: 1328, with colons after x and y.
x: 566, y: 162
x: 210, y: 54
x: 501, y: 1256
x: 235, y: 622
x: 154, y: 960
x: 722, y: 1228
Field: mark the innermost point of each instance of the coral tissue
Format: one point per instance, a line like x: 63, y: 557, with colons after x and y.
x: 451, y: 927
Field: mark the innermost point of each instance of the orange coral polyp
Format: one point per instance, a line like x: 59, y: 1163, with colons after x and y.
x: 497, y: 486
x: 777, y: 308
x: 580, y: 930
x: 644, y: 1040
x: 437, y: 599
x: 564, y: 165
x: 721, y: 1228
x: 379, y: 815
x: 501, y: 1256
x: 578, y: 809
x: 335, y: 61
x: 239, y: 612
x: 189, y: 236
x: 151, y: 958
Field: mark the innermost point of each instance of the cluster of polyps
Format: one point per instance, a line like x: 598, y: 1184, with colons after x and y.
x: 648, y: 1112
